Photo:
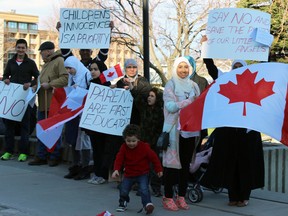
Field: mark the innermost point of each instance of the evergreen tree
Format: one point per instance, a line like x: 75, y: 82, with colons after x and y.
x: 279, y: 24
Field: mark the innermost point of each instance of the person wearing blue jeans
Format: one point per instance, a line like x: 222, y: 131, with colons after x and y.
x: 136, y: 157
x: 143, y: 188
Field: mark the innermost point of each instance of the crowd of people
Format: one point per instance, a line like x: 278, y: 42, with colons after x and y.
x: 135, y: 153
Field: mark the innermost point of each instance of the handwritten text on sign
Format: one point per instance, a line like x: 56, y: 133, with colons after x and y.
x: 229, y: 34
x: 84, y: 28
x: 107, y: 110
x: 12, y: 101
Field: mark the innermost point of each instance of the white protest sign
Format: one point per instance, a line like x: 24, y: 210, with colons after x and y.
x: 84, y: 28
x: 13, y: 102
x: 107, y: 110
x: 229, y: 34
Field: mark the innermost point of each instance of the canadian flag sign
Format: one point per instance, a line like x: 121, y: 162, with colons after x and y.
x: 253, y: 97
x: 66, y: 104
x: 111, y: 74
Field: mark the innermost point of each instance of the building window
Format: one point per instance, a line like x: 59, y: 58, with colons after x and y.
x: 12, y: 25
x: 23, y: 26
x: 33, y: 27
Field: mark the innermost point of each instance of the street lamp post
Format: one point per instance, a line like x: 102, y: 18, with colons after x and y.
x: 146, y: 59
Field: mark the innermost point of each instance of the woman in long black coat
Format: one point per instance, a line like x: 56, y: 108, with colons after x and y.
x: 237, y: 161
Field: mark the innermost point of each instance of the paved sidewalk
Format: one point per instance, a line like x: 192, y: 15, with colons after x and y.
x: 42, y: 191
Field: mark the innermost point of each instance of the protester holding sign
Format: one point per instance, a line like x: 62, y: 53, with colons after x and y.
x: 53, y: 75
x: 86, y: 54
x: 79, y: 76
x: 237, y: 161
x: 179, y: 92
x: 105, y: 146
x: 138, y: 86
x: 20, y: 69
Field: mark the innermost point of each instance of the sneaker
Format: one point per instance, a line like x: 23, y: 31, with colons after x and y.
x: 149, y: 208
x: 181, y: 203
x: 6, y: 156
x: 37, y: 161
x: 93, y: 179
x: 100, y: 180
x: 122, y: 206
x: 22, y: 157
x: 169, y: 204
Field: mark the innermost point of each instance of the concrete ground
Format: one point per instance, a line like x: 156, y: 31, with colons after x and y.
x: 42, y: 191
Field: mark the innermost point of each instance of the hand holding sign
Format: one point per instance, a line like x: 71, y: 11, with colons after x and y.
x: 229, y: 30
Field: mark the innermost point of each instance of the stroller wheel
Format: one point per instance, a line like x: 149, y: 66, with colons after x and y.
x: 217, y: 190
x: 195, y: 195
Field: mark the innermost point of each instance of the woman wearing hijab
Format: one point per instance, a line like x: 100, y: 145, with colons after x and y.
x: 179, y: 92
x: 237, y: 162
x: 138, y: 86
x: 79, y: 76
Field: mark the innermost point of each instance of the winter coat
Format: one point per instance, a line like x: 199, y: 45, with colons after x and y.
x: 235, y: 150
x: 54, y: 73
x: 22, y: 73
x: 141, y: 88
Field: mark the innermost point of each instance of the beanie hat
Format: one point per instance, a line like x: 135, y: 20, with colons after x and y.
x: 130, y: 62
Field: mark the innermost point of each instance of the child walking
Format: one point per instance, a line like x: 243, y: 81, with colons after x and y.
x: 135, y: 157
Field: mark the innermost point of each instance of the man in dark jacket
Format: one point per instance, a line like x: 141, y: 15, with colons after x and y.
x: 20, y: 69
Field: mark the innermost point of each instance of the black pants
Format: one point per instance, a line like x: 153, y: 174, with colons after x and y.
x: 237, y: 191
x: 180, y: 176
x: 12, y: 126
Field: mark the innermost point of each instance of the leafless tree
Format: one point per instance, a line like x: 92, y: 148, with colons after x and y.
x: 175, y: 26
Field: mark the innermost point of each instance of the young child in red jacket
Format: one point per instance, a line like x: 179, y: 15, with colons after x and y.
x: 135, y: 156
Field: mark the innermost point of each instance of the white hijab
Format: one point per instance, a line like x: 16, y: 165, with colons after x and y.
x: 82, y: 76
x: 185, y: 85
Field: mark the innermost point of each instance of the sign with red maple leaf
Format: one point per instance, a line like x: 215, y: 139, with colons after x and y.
x: 246, y: 90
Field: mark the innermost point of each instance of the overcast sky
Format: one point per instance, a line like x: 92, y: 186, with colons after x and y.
x: 41, y: 8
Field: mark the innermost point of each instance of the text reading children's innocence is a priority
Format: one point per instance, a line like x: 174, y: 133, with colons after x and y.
x: 84, y: 28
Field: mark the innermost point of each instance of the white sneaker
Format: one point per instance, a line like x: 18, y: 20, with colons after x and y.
x: 93, y: 179
x: 100, y: 180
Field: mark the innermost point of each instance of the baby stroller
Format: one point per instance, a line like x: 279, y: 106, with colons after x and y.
x: 197, y: 170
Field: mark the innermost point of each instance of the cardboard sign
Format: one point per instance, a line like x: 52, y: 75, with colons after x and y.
x: 107, y: 110
x: 13, y: 101
x: 84, y: 28
x: 229, y: 34
x: 262, y: 37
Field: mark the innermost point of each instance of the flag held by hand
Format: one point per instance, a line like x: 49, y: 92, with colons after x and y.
x: 111, y: 74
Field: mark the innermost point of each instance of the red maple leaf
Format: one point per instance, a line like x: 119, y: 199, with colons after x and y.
x: 110, y: 74
x: 246, y: 90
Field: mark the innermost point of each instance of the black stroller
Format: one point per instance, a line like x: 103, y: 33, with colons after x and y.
x: 197, y: 170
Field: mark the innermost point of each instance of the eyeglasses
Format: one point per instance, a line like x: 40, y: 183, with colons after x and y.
x: 131, y: 67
